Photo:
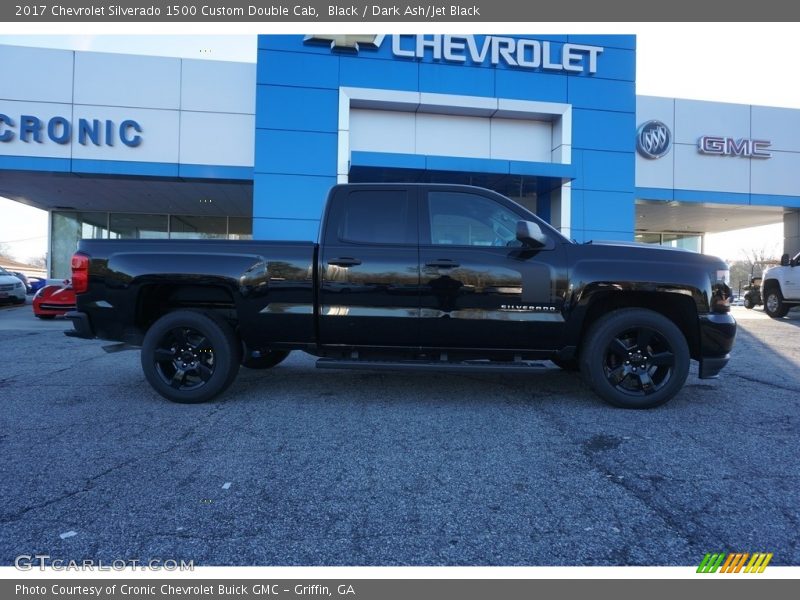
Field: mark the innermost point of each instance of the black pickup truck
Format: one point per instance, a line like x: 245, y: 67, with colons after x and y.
x: 410, y: 276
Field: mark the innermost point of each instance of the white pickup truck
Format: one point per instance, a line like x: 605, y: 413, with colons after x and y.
x: 780, y: 287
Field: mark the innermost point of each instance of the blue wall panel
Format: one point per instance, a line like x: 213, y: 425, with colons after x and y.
x: 285, y: 229
x: 609, y: 171
x: 294, y: 108
x: 291, y: 196
x: 301, y: 69
x: 599, y: 130
x: 602, y: 94
x: 444, y: 79
x: 295, y: 152
x: 607, y: 215
x: 524, y: 85
x: 358, y: 71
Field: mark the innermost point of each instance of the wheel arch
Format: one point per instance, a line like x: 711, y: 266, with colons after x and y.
x: 679, y: 308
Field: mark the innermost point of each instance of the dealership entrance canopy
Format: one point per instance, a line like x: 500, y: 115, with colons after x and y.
x: 120, y: 146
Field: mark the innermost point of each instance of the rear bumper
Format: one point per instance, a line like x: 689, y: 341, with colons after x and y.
x: 717, y: 335
x: 82, y: 327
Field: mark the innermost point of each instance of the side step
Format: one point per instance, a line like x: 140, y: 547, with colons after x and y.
x: 469, y: 366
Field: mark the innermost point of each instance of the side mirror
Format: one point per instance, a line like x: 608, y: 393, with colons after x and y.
x: 785, y: 260
x: 531, y: 234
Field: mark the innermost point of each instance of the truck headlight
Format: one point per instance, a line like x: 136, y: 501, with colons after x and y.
x: 720, y: 291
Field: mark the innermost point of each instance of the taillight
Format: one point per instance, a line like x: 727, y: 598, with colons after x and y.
x: 80, y: 273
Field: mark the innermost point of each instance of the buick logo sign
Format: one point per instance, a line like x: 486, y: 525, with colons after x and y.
x: 653, y: 139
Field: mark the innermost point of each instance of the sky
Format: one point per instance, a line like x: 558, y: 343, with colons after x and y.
x: 737, y: 62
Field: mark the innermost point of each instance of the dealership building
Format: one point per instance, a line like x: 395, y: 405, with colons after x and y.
x: 128, y: 146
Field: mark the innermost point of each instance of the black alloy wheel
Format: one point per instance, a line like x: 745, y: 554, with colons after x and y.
x: 190, y: 357
x: 635, y: 358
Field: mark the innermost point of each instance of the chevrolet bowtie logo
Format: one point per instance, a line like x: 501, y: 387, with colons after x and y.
x: 346, y: 43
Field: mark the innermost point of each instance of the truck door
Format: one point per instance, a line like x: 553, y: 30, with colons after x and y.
x: 480, y: 287
x: 369, y: 268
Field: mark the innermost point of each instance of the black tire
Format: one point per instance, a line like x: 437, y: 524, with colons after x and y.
x: 748, y: 303
x: 265, y: 360
x: 190, y: 357
x: 570, y: 365
x: 635, y: 358
x: 46, y: 317
x: 774, y: 305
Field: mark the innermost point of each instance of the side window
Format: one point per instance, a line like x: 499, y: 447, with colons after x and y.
x: 463, y: 219
x: 377, y: 217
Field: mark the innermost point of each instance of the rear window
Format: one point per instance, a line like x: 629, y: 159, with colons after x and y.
x: 377, y: 217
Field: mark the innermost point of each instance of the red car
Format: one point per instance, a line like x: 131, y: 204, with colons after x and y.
x: 54, y: 300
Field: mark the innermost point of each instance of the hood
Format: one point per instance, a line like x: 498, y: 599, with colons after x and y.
x: 641, y: 251
x: 637, y: 245
x: 6, y: 279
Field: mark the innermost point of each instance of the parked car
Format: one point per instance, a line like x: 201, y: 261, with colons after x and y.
x: 36, y: 283
x: 439, y: 278
x: 54, y: 300
x: 24, y: 279
x: 752, y: 294
x: 11, y: 288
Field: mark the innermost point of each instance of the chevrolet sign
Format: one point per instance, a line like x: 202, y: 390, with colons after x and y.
x: 514, y: 52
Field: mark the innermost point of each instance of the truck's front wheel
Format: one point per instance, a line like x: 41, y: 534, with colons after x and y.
x: 774, y: 305
x: 189, y: 357
x: 635, y: 358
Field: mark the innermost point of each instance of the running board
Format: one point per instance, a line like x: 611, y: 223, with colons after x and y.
x: 468, y: 366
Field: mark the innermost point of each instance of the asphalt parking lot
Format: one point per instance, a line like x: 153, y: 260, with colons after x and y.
x: 303, y: 466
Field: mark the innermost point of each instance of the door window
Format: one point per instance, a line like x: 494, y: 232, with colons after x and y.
x: 463, y: 219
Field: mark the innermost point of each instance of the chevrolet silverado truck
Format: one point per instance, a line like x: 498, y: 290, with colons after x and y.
x: 410, y: 277
x: 780, y: 287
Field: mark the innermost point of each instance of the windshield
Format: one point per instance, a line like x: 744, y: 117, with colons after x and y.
x: 4, y: 272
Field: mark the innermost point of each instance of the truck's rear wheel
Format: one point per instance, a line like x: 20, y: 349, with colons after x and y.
x: 774, y: 305
x: 265, y: 359
x: 189, y: 357
x: 635, y: 358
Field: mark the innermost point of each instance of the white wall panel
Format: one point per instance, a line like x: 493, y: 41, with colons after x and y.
x: 217, y: 139
x: 781, y: 126
x: 37, y: 74
x: 44, y: 111
x: 159, y: 135
x: 694, y: 171
x: 694, y: 119
x: 659, y: 172
x: 126, y: 80
x: 515, y: 139
x: 445, y: 135
x: 218, y: 86
x: 382, y: 131
x: 777, y: 175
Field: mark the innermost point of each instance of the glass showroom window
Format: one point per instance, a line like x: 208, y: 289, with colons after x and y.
x: 67, y: 228
x: 138, y: 227
x: 240, y: 228
x: 203, y: 228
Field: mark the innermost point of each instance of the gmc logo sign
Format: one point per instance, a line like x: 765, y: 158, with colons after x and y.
x: 724, y: 146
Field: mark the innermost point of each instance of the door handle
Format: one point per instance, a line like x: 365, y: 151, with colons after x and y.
x: 344, y: 261
x: 442, y: 263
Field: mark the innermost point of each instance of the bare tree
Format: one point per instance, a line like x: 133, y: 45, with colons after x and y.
x: 38, y: 261
x: 5, y: 251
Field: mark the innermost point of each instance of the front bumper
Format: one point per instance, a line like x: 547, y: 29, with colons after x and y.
x: 82, y: 327
x: 717, y: 334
